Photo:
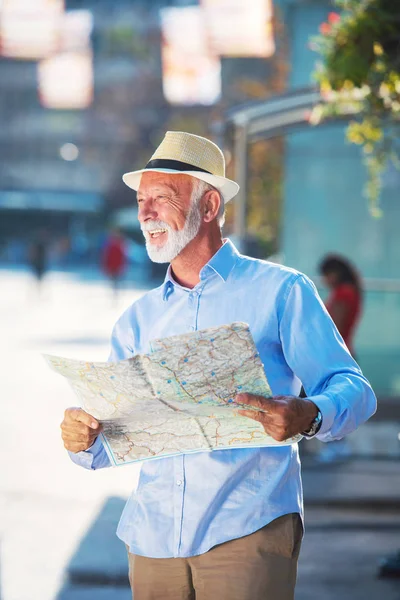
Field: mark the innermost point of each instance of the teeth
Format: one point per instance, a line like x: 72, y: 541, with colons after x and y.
x: 154, y: 231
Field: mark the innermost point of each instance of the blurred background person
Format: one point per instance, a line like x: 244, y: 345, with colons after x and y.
x: 344, y: 305
x: 38, y: 256
x: 114, y: 259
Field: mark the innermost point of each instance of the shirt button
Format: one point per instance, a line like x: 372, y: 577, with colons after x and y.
x: 179, y: 482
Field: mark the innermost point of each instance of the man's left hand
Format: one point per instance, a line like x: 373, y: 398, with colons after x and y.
x: 281, y: 416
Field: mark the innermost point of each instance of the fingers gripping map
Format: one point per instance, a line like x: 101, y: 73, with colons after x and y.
x: 177, y: 399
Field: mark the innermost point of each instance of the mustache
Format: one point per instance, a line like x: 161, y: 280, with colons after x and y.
x: 154, y: 225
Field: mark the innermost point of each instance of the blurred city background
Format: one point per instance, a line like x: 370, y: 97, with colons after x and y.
x: 87, y: 90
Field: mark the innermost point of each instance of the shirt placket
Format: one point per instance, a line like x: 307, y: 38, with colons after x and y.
x: 179, y: 490
x: 179, y: 461
x: 194, y: 302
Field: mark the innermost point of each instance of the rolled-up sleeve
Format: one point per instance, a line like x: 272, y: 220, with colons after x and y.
x: 318, y: 356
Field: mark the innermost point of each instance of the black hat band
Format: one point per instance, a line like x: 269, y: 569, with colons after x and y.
x: 176, y: 165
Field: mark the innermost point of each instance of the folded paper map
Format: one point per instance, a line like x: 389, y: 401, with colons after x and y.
x: 179, y: 398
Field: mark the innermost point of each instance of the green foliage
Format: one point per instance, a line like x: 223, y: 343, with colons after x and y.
x: 265, y: 191
x: 359, y: 74
x: 123, y: 40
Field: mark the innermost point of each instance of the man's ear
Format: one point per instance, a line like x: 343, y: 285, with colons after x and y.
x: 211, y: 204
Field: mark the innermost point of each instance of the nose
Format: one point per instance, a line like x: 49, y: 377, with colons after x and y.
x: 147, y: 210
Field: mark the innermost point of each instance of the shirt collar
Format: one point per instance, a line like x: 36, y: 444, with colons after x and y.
x: 221, y: 263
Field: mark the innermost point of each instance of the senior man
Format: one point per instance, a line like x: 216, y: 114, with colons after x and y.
x: 223, y: 525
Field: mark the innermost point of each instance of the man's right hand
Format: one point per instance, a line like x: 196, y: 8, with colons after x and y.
x: 79, y: 430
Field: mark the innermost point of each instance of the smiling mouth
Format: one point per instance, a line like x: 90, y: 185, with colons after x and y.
x: 155, y: 233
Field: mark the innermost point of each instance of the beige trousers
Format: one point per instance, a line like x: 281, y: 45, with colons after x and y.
x: 260, y: 566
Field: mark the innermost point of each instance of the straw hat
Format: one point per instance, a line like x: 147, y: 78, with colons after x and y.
x: 181, y: 152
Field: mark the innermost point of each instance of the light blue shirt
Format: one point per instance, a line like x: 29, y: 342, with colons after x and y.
x: 186, y: 504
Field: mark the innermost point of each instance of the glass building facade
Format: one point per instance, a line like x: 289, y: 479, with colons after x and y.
x: 325, y: 211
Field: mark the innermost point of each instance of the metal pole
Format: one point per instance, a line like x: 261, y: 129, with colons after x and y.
x: 240, y: 157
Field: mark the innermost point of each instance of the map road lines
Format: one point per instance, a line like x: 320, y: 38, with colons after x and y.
x: 177, y: 399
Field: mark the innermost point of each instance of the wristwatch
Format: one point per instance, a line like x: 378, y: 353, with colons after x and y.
x: 315, y: 426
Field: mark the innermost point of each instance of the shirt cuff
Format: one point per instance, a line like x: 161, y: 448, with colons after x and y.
x: 328, y: 411
x: 86, y: 457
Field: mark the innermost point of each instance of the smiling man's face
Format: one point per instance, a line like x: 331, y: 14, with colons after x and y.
x: 167, y: 217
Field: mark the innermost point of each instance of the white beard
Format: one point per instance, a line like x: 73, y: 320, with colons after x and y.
x: 176, y: 240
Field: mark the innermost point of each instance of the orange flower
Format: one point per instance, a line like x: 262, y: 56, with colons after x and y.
x: 325, y: 28
x: 333, y: 17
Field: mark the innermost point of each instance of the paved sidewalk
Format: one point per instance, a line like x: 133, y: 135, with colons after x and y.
x: 342, y: 563
x: 352, y: 517
x: 355, y: 482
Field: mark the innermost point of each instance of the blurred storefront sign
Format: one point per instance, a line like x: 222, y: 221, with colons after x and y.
x: 238, y: 28
x: 53, y: 201
x: 191, y: 72
x: 42, y: 30
x: 65, y: 79
x: 30, y: 29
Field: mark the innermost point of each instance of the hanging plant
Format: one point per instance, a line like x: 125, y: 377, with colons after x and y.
x: 359, y: 75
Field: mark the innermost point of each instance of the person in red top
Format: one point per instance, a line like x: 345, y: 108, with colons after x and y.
x: 344, y: 305
x: 114, y: 258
